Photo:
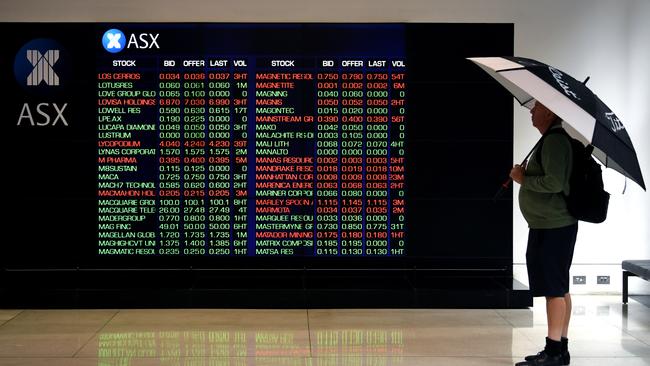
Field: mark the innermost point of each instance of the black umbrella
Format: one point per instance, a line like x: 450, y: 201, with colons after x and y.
x: 585, y: 117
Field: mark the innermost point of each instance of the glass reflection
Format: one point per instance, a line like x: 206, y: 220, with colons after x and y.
x: 352, y: 347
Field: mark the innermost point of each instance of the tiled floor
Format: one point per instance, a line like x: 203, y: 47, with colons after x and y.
x: 604, y: 333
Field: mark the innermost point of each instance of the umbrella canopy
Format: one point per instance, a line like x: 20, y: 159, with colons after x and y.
x: 585, y: 117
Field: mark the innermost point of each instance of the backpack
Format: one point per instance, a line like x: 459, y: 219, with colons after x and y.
x: 587, y: 200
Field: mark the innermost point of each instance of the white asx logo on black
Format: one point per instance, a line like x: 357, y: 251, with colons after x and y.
x: 39, y: 66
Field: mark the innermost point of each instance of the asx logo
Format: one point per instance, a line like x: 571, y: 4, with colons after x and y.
x: 39, y: 65
x: 43, y: 67
x: 114, y: 41
x: 40, y: 69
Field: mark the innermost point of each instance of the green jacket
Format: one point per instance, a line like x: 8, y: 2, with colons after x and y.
x: 541, y: 197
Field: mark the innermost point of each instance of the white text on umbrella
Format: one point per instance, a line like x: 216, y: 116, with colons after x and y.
x: 557, y: 74
x: 616, y: 123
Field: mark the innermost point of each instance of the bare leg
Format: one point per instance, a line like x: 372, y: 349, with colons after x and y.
x: 567, y: 315
x: 555, y: 311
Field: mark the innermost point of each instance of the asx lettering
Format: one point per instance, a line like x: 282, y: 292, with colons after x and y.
x: 143, y: 41
x: 48, y: 112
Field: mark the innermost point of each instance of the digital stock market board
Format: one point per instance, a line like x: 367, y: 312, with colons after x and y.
x: 179, y: 144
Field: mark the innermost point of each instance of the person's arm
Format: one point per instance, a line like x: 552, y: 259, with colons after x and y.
x: 556, y: 162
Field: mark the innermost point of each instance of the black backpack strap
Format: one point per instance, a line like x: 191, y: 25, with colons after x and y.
x: 550, y: 131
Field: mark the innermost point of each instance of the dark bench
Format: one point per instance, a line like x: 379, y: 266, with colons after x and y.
x: 634, y: 268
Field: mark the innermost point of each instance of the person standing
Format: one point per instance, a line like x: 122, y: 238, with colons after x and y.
x: 552, y: 232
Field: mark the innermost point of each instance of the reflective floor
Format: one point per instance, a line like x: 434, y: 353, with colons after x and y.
x: 604, y: 332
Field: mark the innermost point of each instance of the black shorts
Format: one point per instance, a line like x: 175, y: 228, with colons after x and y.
x: 548, y: 259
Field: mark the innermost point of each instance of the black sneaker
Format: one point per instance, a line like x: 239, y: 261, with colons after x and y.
x: 566, y: 358
x: 542, y: 359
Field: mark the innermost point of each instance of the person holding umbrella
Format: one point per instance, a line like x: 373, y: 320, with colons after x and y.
x: 552, y: 234
x: 559, y: 103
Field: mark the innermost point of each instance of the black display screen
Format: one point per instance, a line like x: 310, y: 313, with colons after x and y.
x: 146, y: 145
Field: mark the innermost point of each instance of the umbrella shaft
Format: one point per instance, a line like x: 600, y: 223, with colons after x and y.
x: 506, y: 184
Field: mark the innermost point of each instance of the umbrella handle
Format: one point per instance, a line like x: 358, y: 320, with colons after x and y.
x: 504, y: 187
x: 506, y: 184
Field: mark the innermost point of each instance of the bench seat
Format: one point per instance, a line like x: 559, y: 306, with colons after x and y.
x: 634, y: 268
